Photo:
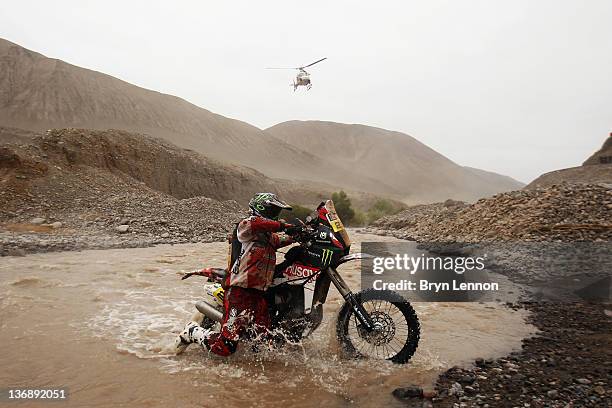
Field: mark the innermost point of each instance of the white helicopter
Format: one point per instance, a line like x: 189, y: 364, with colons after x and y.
x: 303, y: 77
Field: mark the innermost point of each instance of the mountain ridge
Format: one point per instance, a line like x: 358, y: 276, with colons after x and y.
x: 402, y: 160
x: 39, y: 93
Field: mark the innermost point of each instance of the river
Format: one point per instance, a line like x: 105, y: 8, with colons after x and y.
x: 101, y: 323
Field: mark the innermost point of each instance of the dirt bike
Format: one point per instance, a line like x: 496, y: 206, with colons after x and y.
x: 372, y: 323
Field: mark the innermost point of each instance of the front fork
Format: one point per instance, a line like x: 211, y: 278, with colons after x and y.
x: 362, y: 315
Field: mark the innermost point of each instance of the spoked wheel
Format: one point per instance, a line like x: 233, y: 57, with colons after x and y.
x: 397, y: 329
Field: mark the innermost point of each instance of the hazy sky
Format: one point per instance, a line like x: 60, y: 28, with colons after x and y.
x: 517, y: 87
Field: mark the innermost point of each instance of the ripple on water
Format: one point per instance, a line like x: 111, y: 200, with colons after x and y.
x: 142, y: 321
x: 35, y: 281
x: 144, y: 325
x: 141, y: 305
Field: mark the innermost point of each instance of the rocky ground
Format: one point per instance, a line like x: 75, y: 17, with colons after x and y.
x: 55, y: 196
x: 109, y: 214
x: 530, y: 236
x: 125, y: 220
x: 67, y: 189
x: 566, y: 212
x: 567, y: 364
x: 536, y: 236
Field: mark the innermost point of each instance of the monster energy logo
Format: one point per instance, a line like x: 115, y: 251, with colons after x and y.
x: 326, y: 256
x: 260, y: 198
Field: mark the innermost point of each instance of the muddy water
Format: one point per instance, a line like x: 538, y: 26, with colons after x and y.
x: 100, y: 323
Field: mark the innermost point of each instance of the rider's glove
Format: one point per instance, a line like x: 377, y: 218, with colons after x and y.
x: 293, y: 229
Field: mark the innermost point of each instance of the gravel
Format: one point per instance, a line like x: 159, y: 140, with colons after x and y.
x: 53, y: 201
x: 569, y: 362
x: 560, y: 213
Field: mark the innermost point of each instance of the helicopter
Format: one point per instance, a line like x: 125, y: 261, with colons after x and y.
x: 303, y: 77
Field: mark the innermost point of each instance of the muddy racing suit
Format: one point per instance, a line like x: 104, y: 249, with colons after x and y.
x: 245, y: 305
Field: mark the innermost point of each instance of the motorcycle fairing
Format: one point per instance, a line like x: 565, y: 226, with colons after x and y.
x: 328, y: 213
x: 298, y: 270
x: 304, y: 275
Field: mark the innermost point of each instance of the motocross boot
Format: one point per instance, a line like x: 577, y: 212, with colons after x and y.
x: 192, y: 333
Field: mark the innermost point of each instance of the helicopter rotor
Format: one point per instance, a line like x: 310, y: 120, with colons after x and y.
x: 300, y: 68
x: 316, y: 62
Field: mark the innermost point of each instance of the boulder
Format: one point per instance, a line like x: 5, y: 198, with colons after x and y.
x: 412, y: 391
x: 122, y: 229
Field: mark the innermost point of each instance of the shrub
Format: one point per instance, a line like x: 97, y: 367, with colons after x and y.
x: 343, y: 207
x: 381, y: 208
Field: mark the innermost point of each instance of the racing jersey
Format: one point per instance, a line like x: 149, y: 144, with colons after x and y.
x: 254, y: 266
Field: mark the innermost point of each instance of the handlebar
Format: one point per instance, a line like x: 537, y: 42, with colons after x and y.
x: 303, y: 234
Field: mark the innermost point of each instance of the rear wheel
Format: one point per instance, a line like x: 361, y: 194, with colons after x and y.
x: 397, y: 329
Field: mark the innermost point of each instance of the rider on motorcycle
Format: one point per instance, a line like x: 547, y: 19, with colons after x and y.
x: 253, y: 260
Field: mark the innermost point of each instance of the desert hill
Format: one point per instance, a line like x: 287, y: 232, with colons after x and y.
x: 416, y: 171
x: 603, y: 155
x: 503, y: 183
x: 74, y: 189
x: 66, y: 189
x: 596, y: 169
x: 39, y: 93
x: 61, y: 167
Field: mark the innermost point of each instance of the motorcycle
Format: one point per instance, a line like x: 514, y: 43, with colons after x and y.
x: 378, y: 324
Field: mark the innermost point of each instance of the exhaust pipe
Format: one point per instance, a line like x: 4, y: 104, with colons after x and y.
x: 209, y: 311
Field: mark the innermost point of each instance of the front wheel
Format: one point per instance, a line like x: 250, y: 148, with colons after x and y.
x: 397, y: 329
